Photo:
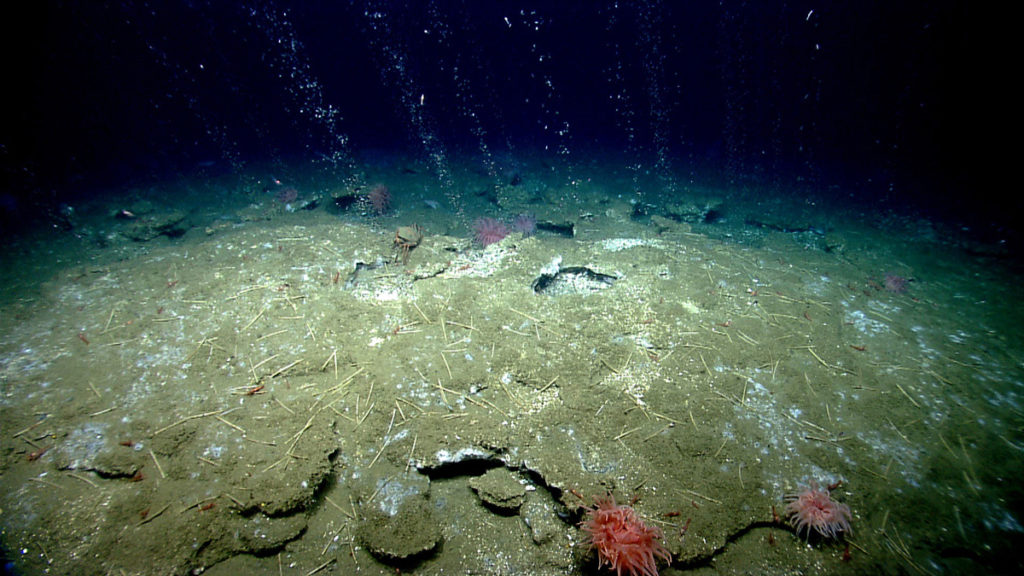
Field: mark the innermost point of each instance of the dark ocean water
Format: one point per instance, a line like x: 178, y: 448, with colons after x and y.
x: 870, y: 101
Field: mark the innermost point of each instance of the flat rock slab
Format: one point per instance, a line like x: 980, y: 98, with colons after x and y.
x: 402, y: 537
x: 500, y: 490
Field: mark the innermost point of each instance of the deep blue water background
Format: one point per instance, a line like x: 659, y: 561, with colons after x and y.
x: 871, y: 100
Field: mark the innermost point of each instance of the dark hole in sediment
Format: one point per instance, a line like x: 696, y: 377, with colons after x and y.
x: 572, y: 280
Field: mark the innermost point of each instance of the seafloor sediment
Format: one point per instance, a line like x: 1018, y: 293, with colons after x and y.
x: 276, y: 390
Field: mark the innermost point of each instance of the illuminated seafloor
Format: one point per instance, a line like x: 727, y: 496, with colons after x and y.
x: 267, y: 386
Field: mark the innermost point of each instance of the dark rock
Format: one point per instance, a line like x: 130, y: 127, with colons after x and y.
x: 572, y: 280
x: 346, y: 202
x: 566, y: 229
x: 694, y: 211
x: 171, y: 224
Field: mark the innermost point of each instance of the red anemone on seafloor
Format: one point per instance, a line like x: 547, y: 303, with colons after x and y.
x: 813, y: 509
x: 622, y: 540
